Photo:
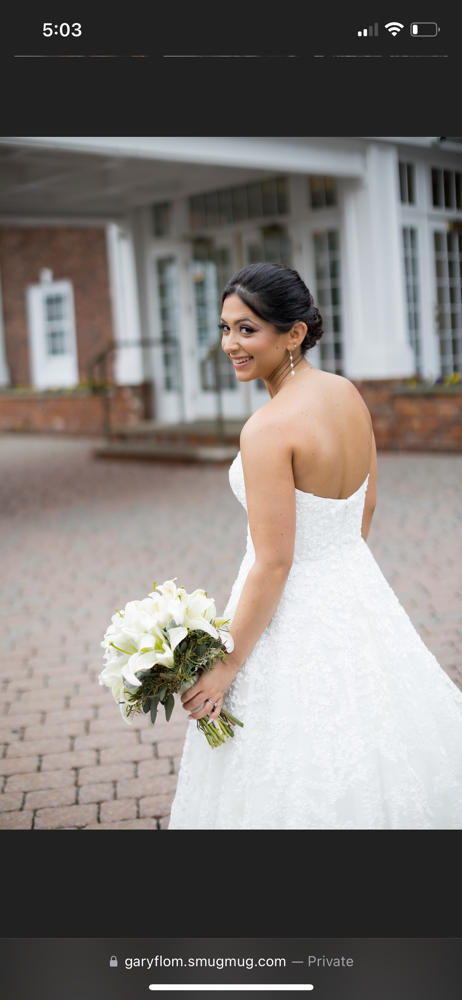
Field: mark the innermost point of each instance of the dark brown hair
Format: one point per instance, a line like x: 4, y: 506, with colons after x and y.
x: 279, y: 296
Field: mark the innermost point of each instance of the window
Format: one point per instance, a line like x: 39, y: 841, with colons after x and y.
x: 447, y: 189
x: 211, y: 272
x: 274, y: 247
x: 239, y: 204
x: 328, y: 294
x: 411, y: 271
x: 55, y: 322
x: 52, y: 340
x: 167, y: 285
x: 322, y: 192
x: 162, y: 218
x: 448, y: 265
x: 407, y: 183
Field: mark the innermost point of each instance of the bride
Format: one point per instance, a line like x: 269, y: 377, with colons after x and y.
x: 349, y: 721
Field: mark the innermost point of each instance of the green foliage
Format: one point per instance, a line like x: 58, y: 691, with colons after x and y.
x: 169, y: 706
x: 199, y: 651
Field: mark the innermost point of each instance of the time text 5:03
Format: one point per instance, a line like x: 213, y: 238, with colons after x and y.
x: 64, y: 30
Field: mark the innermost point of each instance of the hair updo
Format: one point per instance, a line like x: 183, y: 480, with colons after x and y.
x: 279, y: 296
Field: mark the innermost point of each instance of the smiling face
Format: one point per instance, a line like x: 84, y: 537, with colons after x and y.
x: 254, y: 346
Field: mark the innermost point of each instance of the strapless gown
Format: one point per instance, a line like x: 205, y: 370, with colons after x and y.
x: 349, y: 721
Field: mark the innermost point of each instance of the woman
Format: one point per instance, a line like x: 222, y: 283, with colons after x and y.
x: 349, y: 722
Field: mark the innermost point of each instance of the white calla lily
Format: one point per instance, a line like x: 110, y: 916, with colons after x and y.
x: 176, y: 609
x: 177, y: 635
x: 166, y: 658
x: 146, y: 641
x: 124, y: 642
x: 112, y: 671
x: 198, y: 606
x: 140, y: 661
x: 202, y: 625
x: 124, y: 706
x: 226, y: 639
x: 128, y: 673
x: 161, y: 621
x: 118, y: 689
x: 168, y: 589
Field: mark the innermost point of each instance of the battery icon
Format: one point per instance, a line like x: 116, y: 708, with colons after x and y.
x: 424, y: 29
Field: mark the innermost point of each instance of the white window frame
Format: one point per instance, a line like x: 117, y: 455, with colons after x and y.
x: 173, y: 405
x: 413, y: 293
x: 50, y: 371
x: 442, y: 228
x: 234, y: 400
x: 315, y: 357
x: 404, y: 183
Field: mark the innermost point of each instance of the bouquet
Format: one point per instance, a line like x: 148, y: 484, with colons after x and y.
x: 155, y: 648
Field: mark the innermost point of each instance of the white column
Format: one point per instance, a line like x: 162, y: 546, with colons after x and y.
x: 431, y: 359
x: 4, y: 370
x: 186, y: 312
x: 141, y: 227
x: 298, y: 193
x: 128, y: 366
x: 375, y: 329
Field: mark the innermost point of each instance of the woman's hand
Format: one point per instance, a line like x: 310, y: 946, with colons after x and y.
x: 211, y: 686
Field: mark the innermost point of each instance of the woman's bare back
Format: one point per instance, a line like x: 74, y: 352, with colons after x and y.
x: 326, y: 422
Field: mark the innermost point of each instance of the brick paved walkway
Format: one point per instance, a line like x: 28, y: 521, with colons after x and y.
x: 80, y: 537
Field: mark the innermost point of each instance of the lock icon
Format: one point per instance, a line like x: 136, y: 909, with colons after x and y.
x: 113, y: 962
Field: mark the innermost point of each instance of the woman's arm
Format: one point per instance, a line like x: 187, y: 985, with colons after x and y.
x: 270, y: 491
x: 371, y: 493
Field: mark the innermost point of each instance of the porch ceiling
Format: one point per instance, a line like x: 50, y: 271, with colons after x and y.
x: 106, y: 177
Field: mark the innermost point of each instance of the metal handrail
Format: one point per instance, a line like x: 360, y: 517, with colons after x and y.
x: 213, y: 353
x: 105, y: 387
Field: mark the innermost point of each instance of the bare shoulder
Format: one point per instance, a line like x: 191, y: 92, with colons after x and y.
x: 336, y: 384
x: 356, y: 397
x: 341, y: 389
x: 261, y: 424
x: 305, y: 406
x: 266, y: 447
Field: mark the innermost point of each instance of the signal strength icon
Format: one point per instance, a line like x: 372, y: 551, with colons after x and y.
x: 394, y: 27
x: 372, y: 31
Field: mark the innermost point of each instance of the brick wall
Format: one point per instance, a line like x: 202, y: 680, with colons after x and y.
x: 414, y: 419
x: 70, y: 413
x: 72, y: 252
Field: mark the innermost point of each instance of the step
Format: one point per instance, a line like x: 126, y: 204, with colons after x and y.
x: 198, y: 432
x: 167, y: 451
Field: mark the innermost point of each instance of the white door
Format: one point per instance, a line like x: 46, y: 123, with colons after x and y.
x: 271, y: 245
x: 211, y: 269
x: 168, y: 357
x: 52, y: 340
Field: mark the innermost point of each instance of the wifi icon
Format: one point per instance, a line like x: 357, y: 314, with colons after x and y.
x: 393, y: 27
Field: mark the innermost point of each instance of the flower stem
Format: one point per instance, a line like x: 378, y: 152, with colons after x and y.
x: 218, y: 733
x: 232, y: 718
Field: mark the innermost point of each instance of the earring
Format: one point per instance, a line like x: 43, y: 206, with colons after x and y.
x: 291, y: 363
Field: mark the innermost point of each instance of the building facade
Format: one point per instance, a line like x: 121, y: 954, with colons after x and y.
x: 132, y: 241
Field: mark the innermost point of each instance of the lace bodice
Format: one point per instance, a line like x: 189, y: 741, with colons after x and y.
x: 323, y: 526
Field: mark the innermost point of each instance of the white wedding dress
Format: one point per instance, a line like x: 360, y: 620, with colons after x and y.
x: 349, y: 721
